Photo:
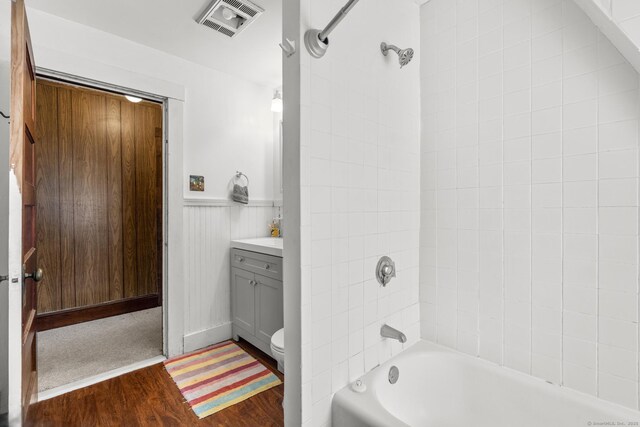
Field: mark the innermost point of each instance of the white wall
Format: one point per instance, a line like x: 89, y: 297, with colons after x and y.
x: 228, y: 126
x: 207, y: 261
x: 227, y: 120
x: 292, y: 264
x: 360, y: 195
x: 529, y: 243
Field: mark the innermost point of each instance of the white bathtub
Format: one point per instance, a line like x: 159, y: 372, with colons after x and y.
x: 440, y: 388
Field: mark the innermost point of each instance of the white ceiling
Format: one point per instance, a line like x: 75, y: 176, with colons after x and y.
x: 169, y: 26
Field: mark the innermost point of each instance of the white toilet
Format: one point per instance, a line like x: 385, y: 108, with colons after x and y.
x: 277, y: 348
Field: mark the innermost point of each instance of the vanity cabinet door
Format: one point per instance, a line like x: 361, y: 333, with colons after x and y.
x: 269, y: 307
x: 243, y: 295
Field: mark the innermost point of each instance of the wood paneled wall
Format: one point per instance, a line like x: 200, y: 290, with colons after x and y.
x: 99, y: 195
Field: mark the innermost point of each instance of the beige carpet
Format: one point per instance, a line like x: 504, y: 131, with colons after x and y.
x: 80, y: 351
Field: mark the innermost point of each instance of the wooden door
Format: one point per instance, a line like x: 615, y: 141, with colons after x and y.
x: 22, y: 158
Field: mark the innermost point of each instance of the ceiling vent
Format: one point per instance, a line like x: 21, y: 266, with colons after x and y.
x: 229, y: 17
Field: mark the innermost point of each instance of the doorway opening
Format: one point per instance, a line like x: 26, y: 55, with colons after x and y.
x: 100, y: 201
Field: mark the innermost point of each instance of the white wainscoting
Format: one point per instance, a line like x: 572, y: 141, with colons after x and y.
x: 208, y: 231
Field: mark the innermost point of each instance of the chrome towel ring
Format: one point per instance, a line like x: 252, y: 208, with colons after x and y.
x: 240, y: 175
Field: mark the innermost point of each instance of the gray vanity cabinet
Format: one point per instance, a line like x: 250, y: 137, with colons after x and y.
x: 269, y: 309
x: 244, y: 299
x: 256, y: 297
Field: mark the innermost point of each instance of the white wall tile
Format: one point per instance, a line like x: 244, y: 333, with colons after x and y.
x: 546, y: 189
x: 618, y: 390
x: 624, y: 9
x: 365, y: 190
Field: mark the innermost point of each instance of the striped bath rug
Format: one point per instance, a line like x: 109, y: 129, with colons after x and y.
x: 219, y: 376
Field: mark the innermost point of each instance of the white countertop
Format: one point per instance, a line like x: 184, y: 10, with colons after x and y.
x: 263, y: 245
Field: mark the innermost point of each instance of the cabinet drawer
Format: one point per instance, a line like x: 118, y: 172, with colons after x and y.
x: 265, y: 265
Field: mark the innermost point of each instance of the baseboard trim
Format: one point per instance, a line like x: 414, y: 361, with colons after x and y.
x: 73, y: 316
x: 207, y: 337
x: 86, y: 382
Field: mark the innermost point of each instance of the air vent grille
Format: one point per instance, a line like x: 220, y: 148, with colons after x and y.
x: 242, y: 7
x: 217, y: 18
x: 219, y: 28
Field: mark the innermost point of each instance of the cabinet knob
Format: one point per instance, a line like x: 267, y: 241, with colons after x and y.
x: 253, y: 283
x: 240, y: 259
x: 267, y: 267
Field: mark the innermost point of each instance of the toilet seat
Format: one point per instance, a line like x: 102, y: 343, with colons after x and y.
x: 277, y: 341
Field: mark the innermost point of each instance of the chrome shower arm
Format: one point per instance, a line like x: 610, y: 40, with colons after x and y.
x: 324, y: 34
x: 404, y: 55
x: 386, y: 47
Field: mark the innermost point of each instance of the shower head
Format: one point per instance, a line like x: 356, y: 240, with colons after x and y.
x: 404, y: 55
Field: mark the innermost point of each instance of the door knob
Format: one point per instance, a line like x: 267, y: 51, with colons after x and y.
x: 37, y: 275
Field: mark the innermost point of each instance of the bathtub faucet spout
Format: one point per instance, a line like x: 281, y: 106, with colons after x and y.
x: 388, y: 332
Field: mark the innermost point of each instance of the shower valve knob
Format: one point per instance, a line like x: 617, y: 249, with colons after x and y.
x: 385, y: 270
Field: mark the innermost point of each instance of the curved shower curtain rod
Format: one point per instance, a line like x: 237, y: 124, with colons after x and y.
x: 317, y: 41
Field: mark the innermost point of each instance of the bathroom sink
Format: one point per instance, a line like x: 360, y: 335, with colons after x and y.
x: 263, y: 245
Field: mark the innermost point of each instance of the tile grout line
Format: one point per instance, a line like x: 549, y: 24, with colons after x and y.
x: 562, y: 204
x: 455, y: 157
x: 597, y: 125
x: 437, y: 186
x: 477, y: 37
x: 637, y: 254
x: 638, y: 240
x: 502, y: 201
x: 531, y: 189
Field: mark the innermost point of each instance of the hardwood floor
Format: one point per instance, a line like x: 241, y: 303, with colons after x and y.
x: 149, y: 397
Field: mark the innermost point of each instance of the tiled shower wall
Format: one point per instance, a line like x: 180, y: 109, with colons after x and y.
x: 626, y: 14
x: 360, y: 195
x: 529, y: 243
